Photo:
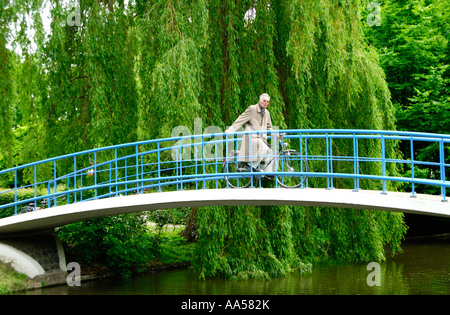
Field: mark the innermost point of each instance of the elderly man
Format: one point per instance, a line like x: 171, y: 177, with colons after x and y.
x: 256, y: 118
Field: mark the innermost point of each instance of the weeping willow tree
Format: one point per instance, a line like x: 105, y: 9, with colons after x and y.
x: 5, y: 88
x: 5, y: 96
x: 312, y: 58
x: 91, y: 85
x: 141, y: 69
x: 172, y: 42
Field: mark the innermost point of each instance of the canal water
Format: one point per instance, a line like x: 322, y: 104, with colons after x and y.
x: 423, y: 268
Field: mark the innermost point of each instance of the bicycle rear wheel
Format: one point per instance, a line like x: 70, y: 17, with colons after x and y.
x: 232, y: 165
x: 290, y: 161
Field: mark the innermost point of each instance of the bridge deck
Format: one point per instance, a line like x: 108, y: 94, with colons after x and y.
x: 363, y: 199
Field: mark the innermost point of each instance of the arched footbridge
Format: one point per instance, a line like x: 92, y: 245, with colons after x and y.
x: 332, y: 168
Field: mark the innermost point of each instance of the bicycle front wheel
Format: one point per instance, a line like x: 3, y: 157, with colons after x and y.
x: 293, y: 164
x: 232, y: 165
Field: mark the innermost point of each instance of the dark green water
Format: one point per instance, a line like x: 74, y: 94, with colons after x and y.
x: 423, y: 268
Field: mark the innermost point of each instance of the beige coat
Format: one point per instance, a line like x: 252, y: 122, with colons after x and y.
x: 254, y: 120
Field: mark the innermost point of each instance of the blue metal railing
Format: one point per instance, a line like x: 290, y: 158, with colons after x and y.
x: 195, y: 162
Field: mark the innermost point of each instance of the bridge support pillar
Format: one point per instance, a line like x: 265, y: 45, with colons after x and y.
x: 41, y: 257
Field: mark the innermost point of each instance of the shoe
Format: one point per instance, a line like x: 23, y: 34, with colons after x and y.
x: 248, y: 168
x: 243, y: 168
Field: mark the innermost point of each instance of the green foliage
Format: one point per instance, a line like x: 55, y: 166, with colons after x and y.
x: 338, y: 74
x: 6, y: 96
x: 412, y: 41
x: 171, y: 216
x: 273, y: 241
x: 124, y: 244
x: 172, y: 39
x: 90, y: 79
x: 10, y: 280
x: 431, y: 103
x: 413, y: 44
x: 136, y: 72
x: 8, y: 196
x: 173, y: 250
x: 120, y: 242
x: 329, y: 78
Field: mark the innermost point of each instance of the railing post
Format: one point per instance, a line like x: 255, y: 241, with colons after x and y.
x: 226, y: 159
x: 329, y: 142
x: 115, y: 160
x: 383, y: 162
x: 355, y: 162
x: 329, y: 161
x: 196, y: 159
x: 49, y: 192
x: 142, y: 173
x: 15, y: 191
x: 442, y: 165
x: 306, y: 156
x: 110, y: 177
x: 216, y: 161
x: 68, y: 189
x: 300, y: 136
x: 180, y: 168
x: 275, y: 137
x: 413, y: 190
x: 126, y: 176
x: 159, y: 165
x: 203, y: 161
x: 81, y: 186
x: 251, y: 160
x: 137, y: 168
x: 35, y: 189
x: 75, y: 177
x: 95, y: 173
x: 54, y: 182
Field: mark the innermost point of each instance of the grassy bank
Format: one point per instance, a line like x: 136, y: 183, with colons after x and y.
x: 173, y: 249
x: 11, y: 281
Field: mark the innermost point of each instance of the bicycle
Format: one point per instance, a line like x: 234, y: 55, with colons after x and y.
x: 289, y: 161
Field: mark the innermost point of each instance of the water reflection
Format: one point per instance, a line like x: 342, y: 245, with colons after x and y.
x: 423, y: 268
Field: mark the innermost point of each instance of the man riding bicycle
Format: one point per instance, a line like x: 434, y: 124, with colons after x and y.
x: 255, y: 118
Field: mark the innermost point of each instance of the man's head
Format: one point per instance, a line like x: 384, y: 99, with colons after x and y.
x: 264, y: 100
